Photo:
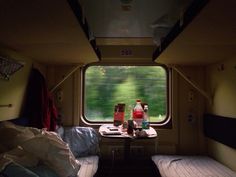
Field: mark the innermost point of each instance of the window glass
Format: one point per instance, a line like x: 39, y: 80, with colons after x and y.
x: 106, y: 86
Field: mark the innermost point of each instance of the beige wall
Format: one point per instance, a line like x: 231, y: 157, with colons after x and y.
x: 186, y: 136
x: 12, y: 91
x: 222, y: 81
x: 190, y: 108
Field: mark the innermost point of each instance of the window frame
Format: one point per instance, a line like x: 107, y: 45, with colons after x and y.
x: 166, y: 123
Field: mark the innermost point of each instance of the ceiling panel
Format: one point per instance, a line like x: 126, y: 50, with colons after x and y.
x: 132, y: 18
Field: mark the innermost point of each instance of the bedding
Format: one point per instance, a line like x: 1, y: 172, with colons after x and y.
x: 11, y: 135
x: 190, y: 166
x: 89, y: 166
x: 83, y: 141
x: 43, y: 153
x: 52, y: 151
x: 16, y: 170
x: 19, y: 156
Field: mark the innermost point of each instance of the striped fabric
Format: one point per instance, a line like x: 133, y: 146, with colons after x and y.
x: 89, y: 166
x: 190, y: 166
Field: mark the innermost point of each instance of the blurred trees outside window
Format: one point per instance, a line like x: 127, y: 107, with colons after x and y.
x: 105, y: 86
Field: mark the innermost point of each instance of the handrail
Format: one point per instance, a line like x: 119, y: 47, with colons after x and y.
x: 192, y: 83
x: 67, y: 76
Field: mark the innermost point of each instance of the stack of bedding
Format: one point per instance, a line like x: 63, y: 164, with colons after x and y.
x: 190, y: 166
x: 32, y: 152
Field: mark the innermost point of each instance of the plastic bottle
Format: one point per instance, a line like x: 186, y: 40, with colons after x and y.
x: 145, y: 123
x: 138, y: 113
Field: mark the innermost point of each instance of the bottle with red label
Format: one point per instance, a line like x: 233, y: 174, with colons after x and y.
x: 119, y: 114
x: 138, y: 113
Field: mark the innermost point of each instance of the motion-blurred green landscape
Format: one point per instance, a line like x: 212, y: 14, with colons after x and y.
x: 105, y: 86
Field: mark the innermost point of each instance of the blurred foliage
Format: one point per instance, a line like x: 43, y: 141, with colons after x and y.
x: 105, y: 86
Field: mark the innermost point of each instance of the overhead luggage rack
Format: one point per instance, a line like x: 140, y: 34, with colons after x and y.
x: 8, y: 67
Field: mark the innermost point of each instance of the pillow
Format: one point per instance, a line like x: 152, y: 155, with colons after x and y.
x: 83, y: 141
x: 55, y: 153
x: 15, y: 170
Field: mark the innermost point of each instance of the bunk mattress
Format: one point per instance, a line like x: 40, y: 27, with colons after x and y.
x: 89, y: 166
x: 190, y: 166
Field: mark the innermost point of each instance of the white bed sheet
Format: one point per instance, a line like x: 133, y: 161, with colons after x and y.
x: 190, y: 166
x: 89, y: 166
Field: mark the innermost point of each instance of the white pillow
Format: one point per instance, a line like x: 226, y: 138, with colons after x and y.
x: 55, y: 153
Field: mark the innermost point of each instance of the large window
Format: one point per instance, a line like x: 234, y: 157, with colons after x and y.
x: 105, y: 86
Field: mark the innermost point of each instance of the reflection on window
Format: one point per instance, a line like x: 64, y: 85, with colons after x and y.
x: 105, y: 86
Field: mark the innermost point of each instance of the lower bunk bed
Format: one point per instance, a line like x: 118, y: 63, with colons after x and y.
x: 88, y: 168
x: 190, y: 166
x: 32, y: 152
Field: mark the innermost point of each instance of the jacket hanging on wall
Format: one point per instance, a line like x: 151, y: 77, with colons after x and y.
x: 39, y: 106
